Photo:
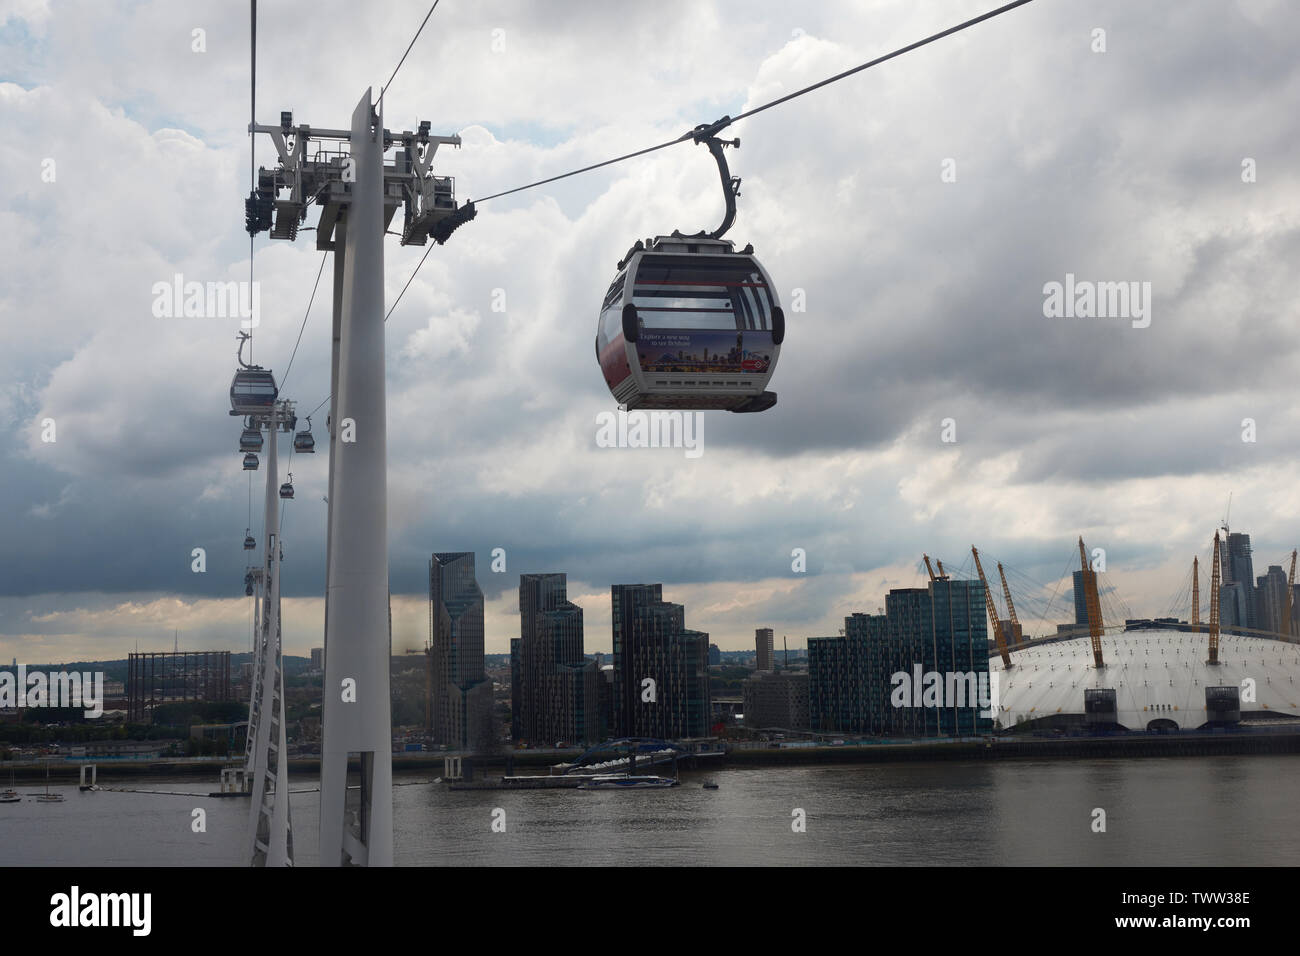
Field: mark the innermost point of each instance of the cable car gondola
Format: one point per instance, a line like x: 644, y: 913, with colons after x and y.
x: 253, y: 390
x: 303, y: 442
x: 250, y: 439
x: 286, y: 489
x: 250, y: 462
x: 689, y: 323
x: 248, y: 583
x: 249, y: 541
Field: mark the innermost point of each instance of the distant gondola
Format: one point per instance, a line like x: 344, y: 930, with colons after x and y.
x: 250, y: 462
x: 253, y: 390
x: 303, y: 442
x: 250, y: 439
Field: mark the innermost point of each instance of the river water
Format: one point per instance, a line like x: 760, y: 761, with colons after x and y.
x: 1198, y: 811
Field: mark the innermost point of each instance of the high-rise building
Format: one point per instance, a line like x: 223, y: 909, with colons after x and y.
x: 880, y: 658
x: 1240, y: 569
x: 516, y: 684
x: 317, y: 658
x: 941, y: 628
x: 765, y: 645
x: 838, y: 691
x: 715, y: 655
x: 1270, y: 599
x: 910, y: 625
x: 605, y: 692
x: 661, y: 668
x: 1232, y: 606
x: 776, y: 700
x: 555, y: 695
x: 626, y: 600
x: 960, y: 639
x: 461, y: 702
x: 1080, y: 600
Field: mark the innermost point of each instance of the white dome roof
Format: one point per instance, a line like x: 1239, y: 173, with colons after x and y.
x: 1155, y: 674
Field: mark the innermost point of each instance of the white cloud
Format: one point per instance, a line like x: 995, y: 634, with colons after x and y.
x: 924, y: 298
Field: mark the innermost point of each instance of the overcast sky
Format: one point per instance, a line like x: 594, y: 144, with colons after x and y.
x: 1169, y: 159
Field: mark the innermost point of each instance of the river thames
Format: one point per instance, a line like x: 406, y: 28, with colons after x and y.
x: 1184, y: 811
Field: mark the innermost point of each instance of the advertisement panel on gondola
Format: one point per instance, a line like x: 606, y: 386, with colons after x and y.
x: 681, y: 350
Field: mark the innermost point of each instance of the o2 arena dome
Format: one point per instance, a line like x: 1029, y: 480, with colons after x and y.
x: 1153, y: 679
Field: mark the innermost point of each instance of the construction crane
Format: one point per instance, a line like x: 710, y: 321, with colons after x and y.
x: 1214, y: 604
x: 993, y: 612
x: 1017, y: 633
x: 1286, y: 604
x: 1093, y: 601
x: 1196, y: 593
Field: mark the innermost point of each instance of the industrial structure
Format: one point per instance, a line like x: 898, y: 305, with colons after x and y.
x: 167, y: 677
x: 343, y: 171
x: 255, y: 397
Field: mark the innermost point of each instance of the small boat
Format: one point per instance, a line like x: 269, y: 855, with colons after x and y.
x: 48, y: 797
x: 11, y: 795
x: 710, y: 785
x: 627, y: 781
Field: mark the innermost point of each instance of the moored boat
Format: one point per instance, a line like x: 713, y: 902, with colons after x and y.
x: 626, y: 781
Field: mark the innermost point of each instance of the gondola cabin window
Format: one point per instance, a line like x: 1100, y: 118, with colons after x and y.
x: 701, y: 292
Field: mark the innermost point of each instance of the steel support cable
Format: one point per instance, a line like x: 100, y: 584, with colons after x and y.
x: 1059, y: 582
x: 384, y: 89
x: 1032, y: 593
x: 252, y: 143
x: 315, y: 286
x: 691, y: 135
x: 407, y: 286
x: 776, y: 102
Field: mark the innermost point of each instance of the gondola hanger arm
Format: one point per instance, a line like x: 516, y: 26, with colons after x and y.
x: 707, y: 133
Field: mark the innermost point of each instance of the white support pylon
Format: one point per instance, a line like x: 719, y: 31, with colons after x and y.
x: 254, y: 681
x: 357, y: 205
x: 270, y: 837
x: 357, y: 827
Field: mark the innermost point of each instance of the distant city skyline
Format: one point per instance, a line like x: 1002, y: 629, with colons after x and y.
x: 500, y: 613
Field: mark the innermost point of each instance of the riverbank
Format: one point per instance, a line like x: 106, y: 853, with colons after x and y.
x: 1281, y: 741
